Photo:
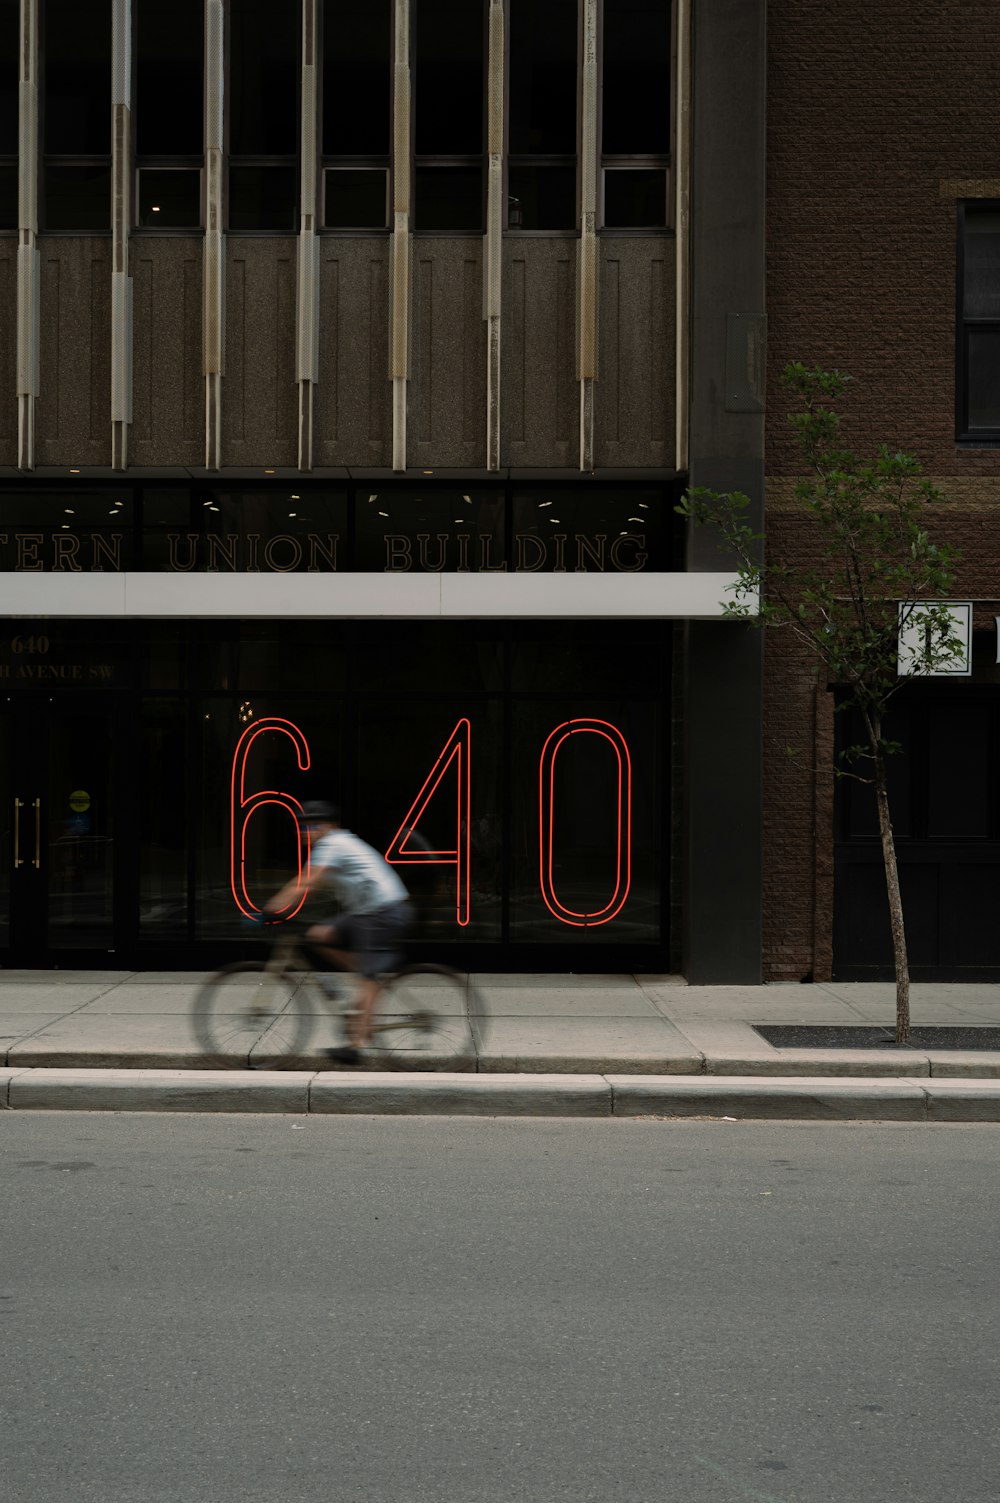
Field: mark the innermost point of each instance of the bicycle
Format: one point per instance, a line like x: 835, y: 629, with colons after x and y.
x: 259, y: 1014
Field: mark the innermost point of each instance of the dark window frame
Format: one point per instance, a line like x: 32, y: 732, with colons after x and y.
x: 354, y: 161
x: 163, y: 161
x: 251, y: 160
x: 639, y: 161
x: 540, y: 158
x: 430, y: 161
x: 966, y: 436
x: 47, y: 159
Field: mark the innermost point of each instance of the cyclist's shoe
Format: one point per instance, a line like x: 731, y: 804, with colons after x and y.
x: 346, y: 1054
x: 332, y: 989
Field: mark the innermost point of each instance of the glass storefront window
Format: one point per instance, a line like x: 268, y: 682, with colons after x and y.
x: 77, y: 530
x: 163, y: 796
x: 585, y: 821
x: 430, y: 532
x: 431, y: 798
x: 244, y: 531
x: 260, y: 762
x: 588, y: 529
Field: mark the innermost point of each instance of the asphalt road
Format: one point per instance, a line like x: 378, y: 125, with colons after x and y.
x: 394, y: 1310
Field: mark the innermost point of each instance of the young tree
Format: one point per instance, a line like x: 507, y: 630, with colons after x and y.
x: 880, y: 575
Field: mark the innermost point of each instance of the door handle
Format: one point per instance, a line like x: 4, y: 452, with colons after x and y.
x: 18, y: 806
x: 37, y: 863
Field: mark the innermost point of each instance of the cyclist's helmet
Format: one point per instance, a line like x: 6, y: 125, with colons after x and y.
x: 317, y: 812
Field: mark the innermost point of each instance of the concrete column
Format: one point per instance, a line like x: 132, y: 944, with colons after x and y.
x: 28, y: 270
x: 399, y: 333
x: 213, y: 309
x: 493, y: 250
x: 682, y: 228
x: 588, y: 268
x: 121, y: 209
x: 724, y: 661
x: 307, y: 302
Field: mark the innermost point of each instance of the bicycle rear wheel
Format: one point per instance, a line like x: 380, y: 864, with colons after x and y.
x: 245, y: 1017
x: 426, y: 1021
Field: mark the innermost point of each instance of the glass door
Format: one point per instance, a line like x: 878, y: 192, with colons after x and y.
x: 58, y: 829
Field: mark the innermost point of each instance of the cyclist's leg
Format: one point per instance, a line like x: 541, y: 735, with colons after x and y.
x: 380, y: 937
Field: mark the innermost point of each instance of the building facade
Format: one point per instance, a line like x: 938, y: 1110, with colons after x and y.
x: 883, y: 212
x: 352, y: 362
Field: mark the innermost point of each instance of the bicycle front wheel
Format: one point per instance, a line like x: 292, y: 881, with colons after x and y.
x: 245, y: 1017
x: 425, y: 1021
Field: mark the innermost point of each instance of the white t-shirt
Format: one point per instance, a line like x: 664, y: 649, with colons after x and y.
x: 361, y: 878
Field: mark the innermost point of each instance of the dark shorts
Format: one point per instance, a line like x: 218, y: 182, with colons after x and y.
x: 376, y: 938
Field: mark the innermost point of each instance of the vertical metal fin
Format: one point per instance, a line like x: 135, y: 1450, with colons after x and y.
x: 493, y: 249
x: 121, y: 210
x: 587, y: 353
x: 307, y: 289
x: 213, y: 307
x: 399, y: 329
x: 682, y: 225
x: 28, y: 269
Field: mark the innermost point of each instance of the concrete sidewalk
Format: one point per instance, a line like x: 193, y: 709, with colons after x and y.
x: 553, y: 1043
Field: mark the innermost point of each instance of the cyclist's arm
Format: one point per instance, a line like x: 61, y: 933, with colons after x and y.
x: 287, y: 895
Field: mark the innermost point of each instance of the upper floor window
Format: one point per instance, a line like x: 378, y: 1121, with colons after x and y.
x: 978, y: 374
x: 9, y: 38
x: 635, y: 113
x: 357, y: 114
x: 169, y: 43
x: 76, y: 116
x: 263, y: 115
x: 542, y: 115
x: 449, y: 57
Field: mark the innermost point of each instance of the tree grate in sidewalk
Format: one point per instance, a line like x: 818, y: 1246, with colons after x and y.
x: 859, y: 1036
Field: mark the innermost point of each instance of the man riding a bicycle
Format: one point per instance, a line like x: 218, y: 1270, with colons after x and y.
x: 369, y: 932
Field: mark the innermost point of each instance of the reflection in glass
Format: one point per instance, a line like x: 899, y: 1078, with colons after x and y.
x: 271, y: 763
x: 239, y: 531
x: 433, y: 532
x: 597, y: 529
x: 405, y: 769
x: 169, y: 200
x: 586, y: 816
x: 79, y: 817
x: 163, y: 850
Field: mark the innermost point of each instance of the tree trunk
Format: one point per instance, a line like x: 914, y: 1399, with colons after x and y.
x: 895, y: 901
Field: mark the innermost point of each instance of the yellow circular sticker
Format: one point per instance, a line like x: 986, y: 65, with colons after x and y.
x: 79, y: 801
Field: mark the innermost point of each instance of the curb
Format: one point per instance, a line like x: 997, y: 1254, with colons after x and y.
x: 802, y: 1098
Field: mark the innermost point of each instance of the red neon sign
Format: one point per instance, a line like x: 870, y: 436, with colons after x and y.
x: 458, y: 749
x: 242, y: 808
x: 546, y: 821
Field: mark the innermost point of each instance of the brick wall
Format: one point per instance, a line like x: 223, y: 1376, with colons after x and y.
x: 880, y: 117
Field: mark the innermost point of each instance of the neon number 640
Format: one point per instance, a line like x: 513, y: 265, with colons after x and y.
x: 243, y: 807
x: 546, y: 821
